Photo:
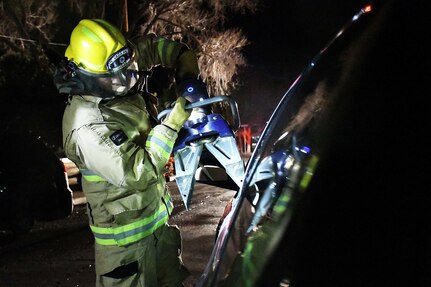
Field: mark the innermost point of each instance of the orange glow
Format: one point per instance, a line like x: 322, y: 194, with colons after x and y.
x: 243, y: 139
x: 367, y: 8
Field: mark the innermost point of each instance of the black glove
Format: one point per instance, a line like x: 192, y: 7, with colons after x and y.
x: 66, y: 80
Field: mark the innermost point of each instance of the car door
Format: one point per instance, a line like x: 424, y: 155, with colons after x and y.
x: 318, y: 206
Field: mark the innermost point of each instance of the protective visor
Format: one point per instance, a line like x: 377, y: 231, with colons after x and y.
x: 121, y: 77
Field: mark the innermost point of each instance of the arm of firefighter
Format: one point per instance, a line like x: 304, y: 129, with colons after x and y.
x: 187, y: 65
x: 153, y: 50
x: 159, y: 144
x: 111, y: 154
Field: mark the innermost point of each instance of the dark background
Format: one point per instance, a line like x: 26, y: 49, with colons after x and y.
x: 284, y: 36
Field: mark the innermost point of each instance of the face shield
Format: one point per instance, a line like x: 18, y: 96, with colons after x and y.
x: 122, y: 75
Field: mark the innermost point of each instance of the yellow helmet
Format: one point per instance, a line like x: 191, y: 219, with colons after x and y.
x: 92, y: 42
x: 102, y: 58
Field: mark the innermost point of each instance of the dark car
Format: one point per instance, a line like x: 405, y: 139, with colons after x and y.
x: 334, y: 192
x: 33, y: 183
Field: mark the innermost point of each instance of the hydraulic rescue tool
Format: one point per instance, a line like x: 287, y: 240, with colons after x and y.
x: 206, y: 133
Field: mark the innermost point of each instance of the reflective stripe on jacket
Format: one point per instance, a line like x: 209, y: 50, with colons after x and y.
x: 126, y: 234
x: 122, y: 162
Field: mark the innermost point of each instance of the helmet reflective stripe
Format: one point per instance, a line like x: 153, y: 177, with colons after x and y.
x: 88, y: 175
x: 135, y: 231
x: 92, y: 43
x: 119, y: 60
x: 160, y: 143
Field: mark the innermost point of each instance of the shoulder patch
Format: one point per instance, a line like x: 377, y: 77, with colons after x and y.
x: 118, y: 137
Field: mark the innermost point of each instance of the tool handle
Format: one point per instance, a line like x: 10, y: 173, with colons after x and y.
x: 209, y: 101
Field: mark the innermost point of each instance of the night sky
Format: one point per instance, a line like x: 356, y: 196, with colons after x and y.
x: 284, y: 36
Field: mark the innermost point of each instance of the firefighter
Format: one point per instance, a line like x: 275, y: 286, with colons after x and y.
x: 108, y: 134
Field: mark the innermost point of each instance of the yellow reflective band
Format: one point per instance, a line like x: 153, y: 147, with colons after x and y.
x: 168, y: 201
x: 93, y: 178
x: 88, y: 175
x: 159, y: 143
x: 132, y: 232
x: 159, y: 149
x: 281, y: 204
x: 165, y: 51
x: 90, y: 34
x: 248, y: 266
x: 305, y: 181
x: 160, y: 45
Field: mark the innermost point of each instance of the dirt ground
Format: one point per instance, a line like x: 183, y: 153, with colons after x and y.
x: 60, y: 253
x: 198, y: 226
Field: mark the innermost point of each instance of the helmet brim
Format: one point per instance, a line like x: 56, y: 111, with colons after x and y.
x: 111, y: 84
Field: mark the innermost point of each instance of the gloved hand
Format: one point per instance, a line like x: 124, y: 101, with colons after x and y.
x: 194, y: 90
x: 178, y: 116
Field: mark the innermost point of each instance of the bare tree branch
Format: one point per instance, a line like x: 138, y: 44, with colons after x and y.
x: 220, y: 59
x: 199, y: 24
x: 28, y: 24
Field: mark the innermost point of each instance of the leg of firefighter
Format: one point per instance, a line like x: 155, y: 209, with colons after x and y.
x: 171, y: 271
x: 158, y: 262
x: 127, y: 266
